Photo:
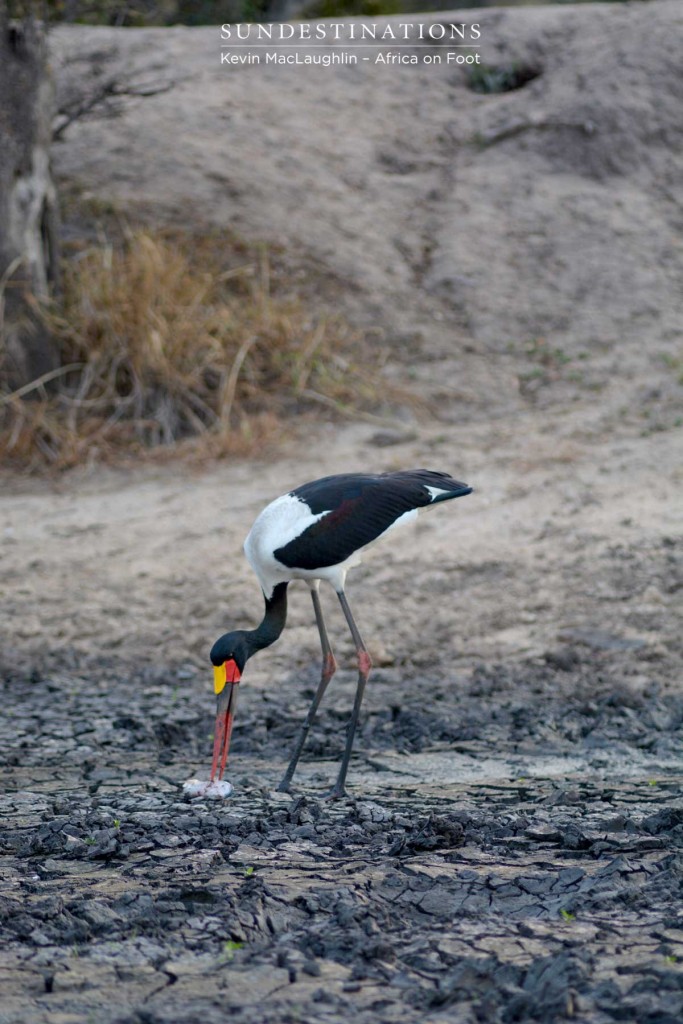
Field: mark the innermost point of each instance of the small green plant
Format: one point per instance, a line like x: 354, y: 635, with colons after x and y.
x: 536, y: 374
x: 566, y: 916
x: 117, y: 823
x: 548, y: 365
x: 537, y: 349
x: 485, y: 78
x: 351, y: 8
x: 248, y: 872
x: 576, y: 377
x: 229, y: 949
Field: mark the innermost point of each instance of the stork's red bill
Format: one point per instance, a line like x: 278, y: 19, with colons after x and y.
x: 226, y: 678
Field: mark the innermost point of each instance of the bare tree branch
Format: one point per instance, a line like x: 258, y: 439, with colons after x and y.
x: 104, y: 100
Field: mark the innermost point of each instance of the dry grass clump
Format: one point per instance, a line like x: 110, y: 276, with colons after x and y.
x: 168, y: 337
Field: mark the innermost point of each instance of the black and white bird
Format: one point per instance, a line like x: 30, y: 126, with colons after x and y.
x: 317, y: 532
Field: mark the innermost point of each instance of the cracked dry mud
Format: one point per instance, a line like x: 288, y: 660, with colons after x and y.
x: 510, y: 855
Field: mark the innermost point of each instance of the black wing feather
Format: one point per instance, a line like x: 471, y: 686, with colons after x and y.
x: 361, y: 507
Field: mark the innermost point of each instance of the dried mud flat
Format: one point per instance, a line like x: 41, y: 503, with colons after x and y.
x: 525, y: 866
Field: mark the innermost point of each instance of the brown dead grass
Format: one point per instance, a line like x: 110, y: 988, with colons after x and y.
x: 167, y: 338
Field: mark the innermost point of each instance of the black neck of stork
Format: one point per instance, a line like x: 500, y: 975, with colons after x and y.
x: 273, y: 622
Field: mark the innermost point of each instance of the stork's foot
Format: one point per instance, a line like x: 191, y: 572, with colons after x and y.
x: 336, y: 793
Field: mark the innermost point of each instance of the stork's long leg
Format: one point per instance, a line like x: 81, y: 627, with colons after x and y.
x: 364, y: 666
x: 329, y: 667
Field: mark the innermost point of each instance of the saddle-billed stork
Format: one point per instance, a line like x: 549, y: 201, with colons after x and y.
x: 317, y: 532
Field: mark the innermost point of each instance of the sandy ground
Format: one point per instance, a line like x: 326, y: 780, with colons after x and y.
x: 510, y: 846
x: 148, y: 565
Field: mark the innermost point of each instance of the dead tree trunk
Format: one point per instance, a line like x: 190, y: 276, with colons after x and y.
x: 28, y: 207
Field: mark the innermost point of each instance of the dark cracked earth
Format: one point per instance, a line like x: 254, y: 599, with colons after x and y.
x: 509, y: 854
